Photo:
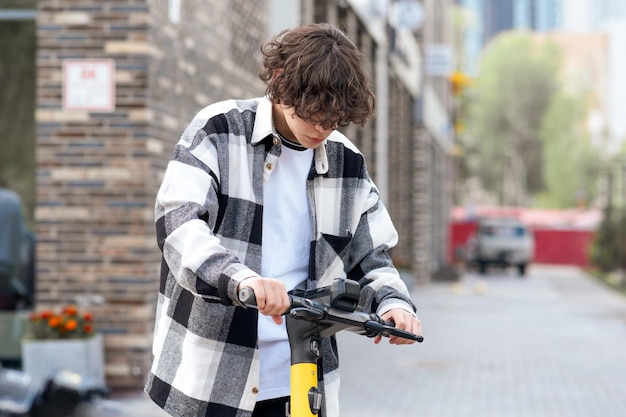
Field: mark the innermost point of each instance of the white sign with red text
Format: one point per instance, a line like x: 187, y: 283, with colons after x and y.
x: 89, y: 85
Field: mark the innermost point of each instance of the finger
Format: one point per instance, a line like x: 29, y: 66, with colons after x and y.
x: 387, y: 316
x: 283, y: 298
x: 279, y: 297
x: 400, y: 321
x: 259, y: 293
x: 396, y: 340
x: 268, y: 297
x: 286, y: 300
x: 417, y: 326
x: 275, y: 298
x: 404, y: 321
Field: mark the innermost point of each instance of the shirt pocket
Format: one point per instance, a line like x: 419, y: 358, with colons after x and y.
x: 332, y: 254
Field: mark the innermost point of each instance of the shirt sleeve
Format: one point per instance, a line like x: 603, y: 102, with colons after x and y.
x: 382, y: 287
x: 186, y: 211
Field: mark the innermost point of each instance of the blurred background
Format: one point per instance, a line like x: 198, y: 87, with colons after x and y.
x: 485, y: 108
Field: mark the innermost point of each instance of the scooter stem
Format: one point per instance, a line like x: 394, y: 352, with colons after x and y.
x: 306, y: 398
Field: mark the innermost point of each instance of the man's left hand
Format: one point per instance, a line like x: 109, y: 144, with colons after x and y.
x: 404, y: 321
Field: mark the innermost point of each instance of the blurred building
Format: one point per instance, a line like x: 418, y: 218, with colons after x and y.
x: 435, y: 175
x: 607, y: 17
x: 585, y: 73
x: 119, y: 81
x: 491, y: 17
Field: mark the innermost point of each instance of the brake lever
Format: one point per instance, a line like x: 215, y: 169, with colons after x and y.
x: 307, y: 313
x: 387, y: 329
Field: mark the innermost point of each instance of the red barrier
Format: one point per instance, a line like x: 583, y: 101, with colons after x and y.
x: 563, y: 247
x: 552, y: 246
x: 562, y: 237
x: 459, y: 235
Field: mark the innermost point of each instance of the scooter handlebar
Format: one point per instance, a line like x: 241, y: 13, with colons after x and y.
x: 374, y: 325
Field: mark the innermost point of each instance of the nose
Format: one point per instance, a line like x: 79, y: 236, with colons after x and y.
x: 321, y: 129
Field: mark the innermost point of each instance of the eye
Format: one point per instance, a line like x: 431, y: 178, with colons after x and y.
x: 326, y: 125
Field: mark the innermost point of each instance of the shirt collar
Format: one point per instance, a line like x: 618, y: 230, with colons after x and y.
x: 264, y: 127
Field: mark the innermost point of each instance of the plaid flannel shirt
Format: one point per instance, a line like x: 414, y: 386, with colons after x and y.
x: 208, y: 219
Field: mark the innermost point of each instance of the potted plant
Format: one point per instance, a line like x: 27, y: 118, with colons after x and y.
x: 62, y: 340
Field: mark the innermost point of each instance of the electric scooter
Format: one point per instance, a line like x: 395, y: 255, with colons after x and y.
x: 316, y: 314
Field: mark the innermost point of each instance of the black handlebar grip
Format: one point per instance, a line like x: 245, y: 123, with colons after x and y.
x: 389, y: 323
x: 247, y: 297
x: 401, y: 333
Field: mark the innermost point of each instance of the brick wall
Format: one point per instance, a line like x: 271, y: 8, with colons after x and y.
x: 431, y: 205
x: 98, y: 173
x: 401, y: 170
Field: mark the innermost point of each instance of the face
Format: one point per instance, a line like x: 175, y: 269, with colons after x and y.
x: 308, y: 134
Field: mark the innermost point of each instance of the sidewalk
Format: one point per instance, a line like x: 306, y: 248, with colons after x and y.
x: 548, y: 345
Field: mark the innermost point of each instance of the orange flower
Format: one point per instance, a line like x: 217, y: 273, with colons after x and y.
x: 45, y: 315
x: 70, y: 325
x: 54, y: 321
x: 70, y: 310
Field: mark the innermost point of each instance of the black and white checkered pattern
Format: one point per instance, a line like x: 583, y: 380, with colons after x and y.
x: 208, y: 219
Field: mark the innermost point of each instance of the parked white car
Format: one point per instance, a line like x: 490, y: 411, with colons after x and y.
x: 503, y: 242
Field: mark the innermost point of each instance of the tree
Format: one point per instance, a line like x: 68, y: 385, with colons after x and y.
x: 512, y: 92
x: 572, y: 164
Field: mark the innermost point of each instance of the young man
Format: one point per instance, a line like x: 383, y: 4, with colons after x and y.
x: 264, y: 193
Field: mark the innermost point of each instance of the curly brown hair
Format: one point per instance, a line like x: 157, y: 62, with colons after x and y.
x: 319, y: 72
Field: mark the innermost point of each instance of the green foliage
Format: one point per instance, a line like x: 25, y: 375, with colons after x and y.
x: 512, y: 92
x: 524, y: 126
x: 572, y: 163
x: 608, y: 251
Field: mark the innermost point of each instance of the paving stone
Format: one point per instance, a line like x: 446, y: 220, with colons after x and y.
x: 547, y: 345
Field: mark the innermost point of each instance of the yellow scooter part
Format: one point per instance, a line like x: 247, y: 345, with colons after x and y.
x: 303, y: 381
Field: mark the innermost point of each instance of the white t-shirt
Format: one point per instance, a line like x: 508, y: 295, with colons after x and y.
x: 285, y: 256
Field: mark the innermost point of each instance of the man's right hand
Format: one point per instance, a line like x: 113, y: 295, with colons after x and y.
x: 271, y: 296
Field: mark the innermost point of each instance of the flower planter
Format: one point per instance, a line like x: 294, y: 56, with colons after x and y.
x: 41, y: 359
